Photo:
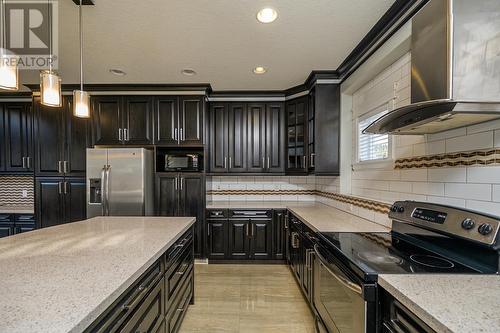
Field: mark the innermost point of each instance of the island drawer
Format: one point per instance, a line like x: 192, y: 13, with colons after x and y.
x: 217, y: 213
x: 149, y: 314
x: 178, y: 307
x: 113, y: 319
x: 178, y: 272
x: 175, y: 250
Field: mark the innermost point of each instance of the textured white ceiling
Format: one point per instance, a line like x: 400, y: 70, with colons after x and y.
x: 153, y: 40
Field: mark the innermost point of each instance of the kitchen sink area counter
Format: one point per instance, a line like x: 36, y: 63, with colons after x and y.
x: 61, y: 279
x: 449, y: 303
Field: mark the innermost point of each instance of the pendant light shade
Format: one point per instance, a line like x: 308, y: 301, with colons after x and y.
x: 81, y: 104
x: 9, y: 75
x: 50, y: 82
x: 50, y: 89
x: 81, y: 98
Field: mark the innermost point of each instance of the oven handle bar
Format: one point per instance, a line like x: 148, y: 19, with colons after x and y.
x: 346, y: 283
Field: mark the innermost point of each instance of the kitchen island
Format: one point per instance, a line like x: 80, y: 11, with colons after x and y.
x: 96, y: 274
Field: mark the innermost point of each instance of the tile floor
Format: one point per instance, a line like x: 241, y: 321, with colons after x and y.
x: 247, y: 298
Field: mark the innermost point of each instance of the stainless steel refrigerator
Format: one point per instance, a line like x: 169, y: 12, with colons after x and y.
x: 119, y: 182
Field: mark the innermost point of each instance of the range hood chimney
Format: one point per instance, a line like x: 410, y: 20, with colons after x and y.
x: 455, y: 70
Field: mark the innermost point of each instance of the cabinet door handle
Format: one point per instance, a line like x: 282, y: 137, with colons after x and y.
x: 286, y: 221
x: 120, y: 134
x: 24, y: 162
x: 304, y: 161
x: 230, y: 162
x: 125, y: 134
x: 268, y: 162
x: 59, y: 185
x: 247, y: 229
x: 182, y: 181
x: 311, y: 159
x: 176, y: 185
x: 28, y: 161
x: 225, y: 162
x: 263, y: 162
x: 59, y: 166
x: 181, y: 134
x: 65, y: 166
x: 175, y: 134
x: 66, y: 188
x: 253, y: 229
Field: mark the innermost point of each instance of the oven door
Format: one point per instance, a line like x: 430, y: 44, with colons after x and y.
x: 338, y: 296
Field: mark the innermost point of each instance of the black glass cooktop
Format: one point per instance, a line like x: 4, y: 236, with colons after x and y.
x: 370, y: 254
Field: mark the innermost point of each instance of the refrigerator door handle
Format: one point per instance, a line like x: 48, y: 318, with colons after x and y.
x: 103, y: 190
x: 108, y: 171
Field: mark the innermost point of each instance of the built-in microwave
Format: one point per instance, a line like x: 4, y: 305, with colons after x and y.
x: 182, y: 162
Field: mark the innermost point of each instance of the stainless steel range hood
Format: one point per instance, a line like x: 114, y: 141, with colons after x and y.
x: 455, y: 70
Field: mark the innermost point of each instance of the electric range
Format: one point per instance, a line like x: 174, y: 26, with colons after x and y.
x: 425, y: 238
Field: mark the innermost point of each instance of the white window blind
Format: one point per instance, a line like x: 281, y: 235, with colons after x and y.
x: 372, y: 146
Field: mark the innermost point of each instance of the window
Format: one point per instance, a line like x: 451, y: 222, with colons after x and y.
x: 372, y: 146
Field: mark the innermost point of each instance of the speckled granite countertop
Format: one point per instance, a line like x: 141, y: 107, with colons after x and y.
x: 317, y: 216
x: 61, y: 279
x: 449, y: 303
x: 4, y: 209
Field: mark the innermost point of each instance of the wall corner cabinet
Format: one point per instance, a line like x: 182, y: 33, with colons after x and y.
x: 313, y: 132
x: 246, y: 138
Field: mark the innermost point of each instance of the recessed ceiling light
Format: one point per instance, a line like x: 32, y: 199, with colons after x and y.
x: 259, y: 70
x: 188, y: 72
x: 267, y: 15
x: 117, y: 72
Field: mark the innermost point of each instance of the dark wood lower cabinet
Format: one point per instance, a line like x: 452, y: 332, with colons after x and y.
x: 244, y: 234
x: 59, y: 200
x: 12, y: 224
x: 158, y: 300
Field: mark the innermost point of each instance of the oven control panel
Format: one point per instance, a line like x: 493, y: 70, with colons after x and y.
x: 464, y: 223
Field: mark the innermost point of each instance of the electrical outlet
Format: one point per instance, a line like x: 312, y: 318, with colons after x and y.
x: 24, y: 194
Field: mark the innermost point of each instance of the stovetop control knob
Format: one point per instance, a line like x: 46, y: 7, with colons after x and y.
x: 485, y: 229
x: 468, y: 224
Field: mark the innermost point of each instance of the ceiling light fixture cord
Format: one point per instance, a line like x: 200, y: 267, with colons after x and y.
x: 50, y: 34
x: 81, y: 46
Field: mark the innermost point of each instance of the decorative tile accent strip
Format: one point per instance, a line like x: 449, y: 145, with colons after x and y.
x: 479, y: 157
x: 11, y: 188
x: 373, y: 205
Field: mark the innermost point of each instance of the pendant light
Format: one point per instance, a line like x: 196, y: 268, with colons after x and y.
x: 50, y: 82
x: 9, y: 75
x: 81, y: 99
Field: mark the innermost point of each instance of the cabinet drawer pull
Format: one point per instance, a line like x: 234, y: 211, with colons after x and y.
x: 180, y: 310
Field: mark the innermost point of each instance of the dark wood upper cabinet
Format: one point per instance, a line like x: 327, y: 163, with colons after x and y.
x: 327, y: 129
x: 137, y: 120
x: 237, y: 138
x: 49, y: 138
x: 166, y: 120
x: 191, y: 124
x: 275, y: 137
x: 18, y: 146
x: 107, y: 123
x: 61, y: 140
x: 219, y: 137
x: 256, y: 137
x: 313, y: 132
x: 296, y: 134
x: 247, y: 137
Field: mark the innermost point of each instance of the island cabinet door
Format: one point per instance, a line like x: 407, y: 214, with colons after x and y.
x: 49, y: 203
